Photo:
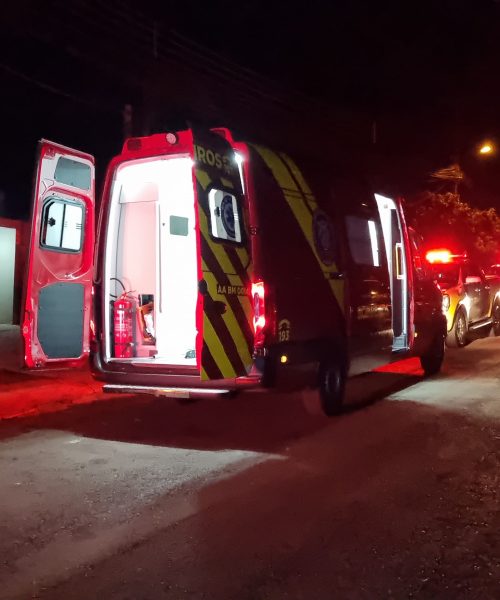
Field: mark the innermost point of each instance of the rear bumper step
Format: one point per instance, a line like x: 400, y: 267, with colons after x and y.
x: 167, y: 392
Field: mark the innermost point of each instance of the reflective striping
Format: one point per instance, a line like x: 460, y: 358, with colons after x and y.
x: 228, y: 271
x: 243, y: 256
x: 239, y: 258
x: 295, y: 171
x: 299, y: 178
x: 210, y: 370
x: 227, y: 183
x: 216, y: 248
x: 217, y: 350
x: 203, y: 178
x: 228, y: 337
x: 246, y: 304
x: 241, y: 311
x: 233, y: 327
x: 301, y: 209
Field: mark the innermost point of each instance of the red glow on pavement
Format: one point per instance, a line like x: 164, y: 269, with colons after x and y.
x: 408, y: 366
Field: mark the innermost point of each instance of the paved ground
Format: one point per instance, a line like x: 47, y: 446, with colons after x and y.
x: 24, y: 392
x: 254, y: 498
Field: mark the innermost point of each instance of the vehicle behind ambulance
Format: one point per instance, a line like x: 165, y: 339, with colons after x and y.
x: 220, y: 265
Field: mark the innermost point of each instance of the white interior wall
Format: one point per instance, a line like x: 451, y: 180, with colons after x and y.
x: 136, y: 255
x: 7, y: 264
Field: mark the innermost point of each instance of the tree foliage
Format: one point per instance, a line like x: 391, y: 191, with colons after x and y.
x: 446, y: 221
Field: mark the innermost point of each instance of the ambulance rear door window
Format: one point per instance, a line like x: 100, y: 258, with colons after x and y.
x: 62, y: 225
x: 364, y: 240
x: 419, y: 263
x: 225, y: 216
x: 74, y: 173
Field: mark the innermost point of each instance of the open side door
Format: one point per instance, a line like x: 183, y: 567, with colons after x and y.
x: 57, y: 294
x: 400, y: 271
x: 224, y: 272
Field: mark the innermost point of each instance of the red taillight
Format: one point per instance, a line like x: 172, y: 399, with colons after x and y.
x: 259, y: 312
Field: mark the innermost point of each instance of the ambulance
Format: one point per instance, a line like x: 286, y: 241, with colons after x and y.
x: 219, y: 265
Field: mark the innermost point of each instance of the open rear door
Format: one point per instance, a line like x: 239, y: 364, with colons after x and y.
x: 58, y: 287
x: 225, y: 268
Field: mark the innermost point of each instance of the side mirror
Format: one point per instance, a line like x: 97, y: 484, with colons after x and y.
x: 473, y: 279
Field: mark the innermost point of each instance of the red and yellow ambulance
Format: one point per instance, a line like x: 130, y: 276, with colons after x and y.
x: 220, y: 265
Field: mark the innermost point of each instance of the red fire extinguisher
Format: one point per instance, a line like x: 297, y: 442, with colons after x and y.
x: 123, y: 319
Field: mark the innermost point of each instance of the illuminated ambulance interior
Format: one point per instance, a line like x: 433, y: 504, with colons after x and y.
x: 151, y: 263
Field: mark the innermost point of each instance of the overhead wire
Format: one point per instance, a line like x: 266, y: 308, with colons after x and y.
x: 132, y: 38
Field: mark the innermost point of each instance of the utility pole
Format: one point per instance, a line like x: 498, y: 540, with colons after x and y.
x: 127, y: 114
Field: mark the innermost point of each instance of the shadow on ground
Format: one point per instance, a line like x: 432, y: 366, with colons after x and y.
x: 260, y: 421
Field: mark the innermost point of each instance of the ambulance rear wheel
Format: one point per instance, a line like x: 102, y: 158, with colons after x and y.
x: 331, y: 386
x: 431, y: 361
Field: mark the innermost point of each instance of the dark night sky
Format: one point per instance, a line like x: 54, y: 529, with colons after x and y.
x: 426, y: 72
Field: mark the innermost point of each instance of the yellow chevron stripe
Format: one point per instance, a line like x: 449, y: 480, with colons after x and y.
x: 297, y: 203
x: 234, y: 279
x: 217, y: 249
x: 243, y: 300
x: 203, y: 178
x: 204, y: 375
x: 210, y: 336
x: 227, y: 183
x: 217, y: 350
x: 243, y: 254
x: 233, y: 326
x: 306, y: 190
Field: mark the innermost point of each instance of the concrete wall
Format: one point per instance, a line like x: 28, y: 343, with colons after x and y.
x: 7, y: 268
x: 22, y: 233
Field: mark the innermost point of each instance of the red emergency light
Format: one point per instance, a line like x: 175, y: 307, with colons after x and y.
x: 443, y: 256
x: 439, y: 256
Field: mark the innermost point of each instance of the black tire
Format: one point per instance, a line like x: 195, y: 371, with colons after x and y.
x: 495, y: 314
x: 457, y: 337
x: 431, y: 361
x: 331, y: 386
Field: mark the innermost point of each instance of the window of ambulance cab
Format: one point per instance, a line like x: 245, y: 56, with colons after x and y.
x: 365, y: 240
x: 420, y: 265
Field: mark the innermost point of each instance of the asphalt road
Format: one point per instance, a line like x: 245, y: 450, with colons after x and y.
x: 255, y: 498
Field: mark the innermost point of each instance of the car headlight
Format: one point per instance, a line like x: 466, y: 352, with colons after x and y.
x: 446, y: 302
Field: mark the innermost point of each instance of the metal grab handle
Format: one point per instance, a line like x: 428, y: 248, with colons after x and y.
x: 399, y: 260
